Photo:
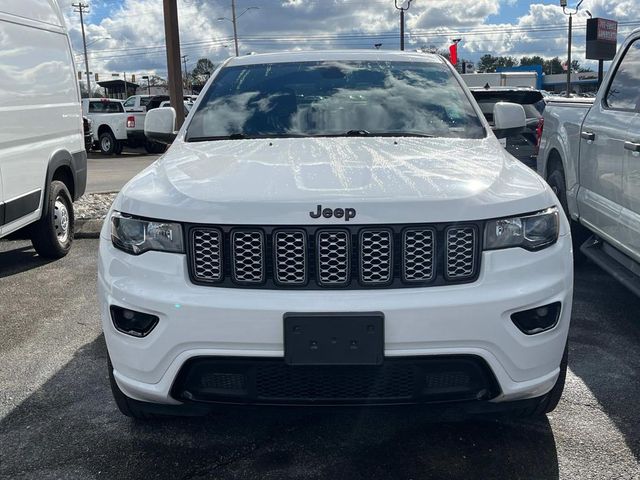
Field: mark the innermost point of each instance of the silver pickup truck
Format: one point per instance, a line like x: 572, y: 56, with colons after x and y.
x: 590, y: 155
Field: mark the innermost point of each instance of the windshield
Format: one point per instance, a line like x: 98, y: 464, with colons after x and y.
x: 335, y: 98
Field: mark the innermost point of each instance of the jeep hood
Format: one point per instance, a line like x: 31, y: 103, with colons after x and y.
x: 387, y: 180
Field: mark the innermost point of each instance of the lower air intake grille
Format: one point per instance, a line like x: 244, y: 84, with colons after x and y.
x: 397, y: 380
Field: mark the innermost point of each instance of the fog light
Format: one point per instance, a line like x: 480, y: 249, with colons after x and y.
x: 133, y: 323
x: 537, y: 319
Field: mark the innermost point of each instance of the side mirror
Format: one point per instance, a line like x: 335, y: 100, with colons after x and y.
x: 160, y: 125
x: 509, y: 119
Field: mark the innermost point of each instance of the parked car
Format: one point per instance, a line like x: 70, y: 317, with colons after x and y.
x: 135, y: 126
x: 590, y: 155
x: 336, y: 228
x: 522, y: 145
x: 187, y: 106
x: 137, y: 103
x: 43, y: 163
x: 108, y: 119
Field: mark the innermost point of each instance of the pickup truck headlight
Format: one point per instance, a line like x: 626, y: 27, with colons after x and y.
x: 136, y: 235
x: 531, y: 232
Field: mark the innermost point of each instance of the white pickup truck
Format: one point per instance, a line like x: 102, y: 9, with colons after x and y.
x: 108, y: 120
x: 590, y: 155
x: 336, y: 228
x: 137, y: 107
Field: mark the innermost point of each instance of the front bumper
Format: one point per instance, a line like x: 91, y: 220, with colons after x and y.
x: 461, y: 320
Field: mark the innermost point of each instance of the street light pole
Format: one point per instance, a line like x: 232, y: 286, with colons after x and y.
x: 234, y: 20
x: 402, y: 7
x: 81, y: 8
x: 570, y: 13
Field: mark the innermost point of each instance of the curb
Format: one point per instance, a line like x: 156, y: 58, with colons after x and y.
x: 88, y: 227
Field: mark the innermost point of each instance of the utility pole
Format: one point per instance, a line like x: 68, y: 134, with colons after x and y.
x: 563, y: 4
x: 402, y: 7
x: 186, y: 74
x: 172, y: 38
x: 81, y: 8
x: 234, y: 20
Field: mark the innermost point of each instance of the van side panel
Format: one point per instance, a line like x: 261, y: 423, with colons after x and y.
x: 40, y: 112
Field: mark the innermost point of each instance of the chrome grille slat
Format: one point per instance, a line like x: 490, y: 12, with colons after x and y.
x: 376, y: 260
x: 207, y: 263
x: 460, y: 254
x: 334, y: 257
x: 247, y: 250
x: 418, y: 254
x: 290, y: 247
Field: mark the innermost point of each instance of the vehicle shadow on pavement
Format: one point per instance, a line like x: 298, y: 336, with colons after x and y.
x: 20, y: 260
x: 71, y: 428
x: 604, y: 344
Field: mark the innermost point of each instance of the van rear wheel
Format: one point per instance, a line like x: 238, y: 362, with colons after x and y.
x: 52, y: 235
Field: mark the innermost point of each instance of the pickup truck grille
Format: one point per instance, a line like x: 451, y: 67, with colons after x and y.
x: 351, y: 257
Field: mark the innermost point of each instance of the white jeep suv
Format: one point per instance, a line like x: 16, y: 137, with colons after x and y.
x: 336, y: 228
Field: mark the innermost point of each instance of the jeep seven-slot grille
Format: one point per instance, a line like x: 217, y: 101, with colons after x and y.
x: 394, y: 256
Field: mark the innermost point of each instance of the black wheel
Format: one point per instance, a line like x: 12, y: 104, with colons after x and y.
x: 547, y: 403
x: 149, y: 411
x: 579, y: 234
x: 154, y: 147
x: 108, y: 143
x: 119, y: 147
x: 127, y: 406
x: 52, y: 235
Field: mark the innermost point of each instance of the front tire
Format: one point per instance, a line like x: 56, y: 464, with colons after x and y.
x: 154, y: 147
x: 579, y: 234
x: 548, y: 402
x: 108, y: 143
x: 127, y: 406
x: 52, y: 235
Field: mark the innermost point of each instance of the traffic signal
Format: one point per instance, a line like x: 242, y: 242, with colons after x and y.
x: 79, y: 75
x: 133, y: 78
x: 96, y: 77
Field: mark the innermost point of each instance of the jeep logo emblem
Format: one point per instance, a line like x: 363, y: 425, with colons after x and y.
x: 346, y: 213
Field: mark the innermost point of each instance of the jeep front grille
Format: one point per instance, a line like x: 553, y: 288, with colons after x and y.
x: 313, y: 257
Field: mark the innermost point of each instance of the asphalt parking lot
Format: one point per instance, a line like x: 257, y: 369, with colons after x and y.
x: 109, y: 173
x: 58, y: 420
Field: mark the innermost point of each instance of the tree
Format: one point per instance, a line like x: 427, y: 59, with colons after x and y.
x: 156, y: 80
x: 532, y: 61
x: 576, y: 67
x: 489, y: 63
x: 202, y: 71
x: 553, y: 66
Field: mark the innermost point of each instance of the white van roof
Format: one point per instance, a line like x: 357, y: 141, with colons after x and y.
x: 47, y: 11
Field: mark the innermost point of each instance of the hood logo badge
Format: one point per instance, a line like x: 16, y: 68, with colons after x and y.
x: 346, y: 213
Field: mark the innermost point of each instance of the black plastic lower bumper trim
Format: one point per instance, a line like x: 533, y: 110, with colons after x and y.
x: 265, y: 381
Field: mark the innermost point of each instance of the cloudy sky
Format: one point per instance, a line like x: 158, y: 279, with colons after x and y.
x: 128, y: 35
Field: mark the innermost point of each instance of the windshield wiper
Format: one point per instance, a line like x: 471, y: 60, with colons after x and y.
x: 358, y: 133
x: 233, y: 136
x: 367, y: 133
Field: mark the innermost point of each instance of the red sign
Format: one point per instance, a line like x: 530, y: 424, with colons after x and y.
x: 453, y: 54
x: 607, y: 30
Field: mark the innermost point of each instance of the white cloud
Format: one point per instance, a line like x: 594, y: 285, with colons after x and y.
x: 311, y: 24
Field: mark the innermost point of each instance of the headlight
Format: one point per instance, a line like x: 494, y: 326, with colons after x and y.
x: 531, y: 232
x: 136, y: 236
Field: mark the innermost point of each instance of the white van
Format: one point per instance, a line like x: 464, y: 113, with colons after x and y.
x: 43, y: 163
